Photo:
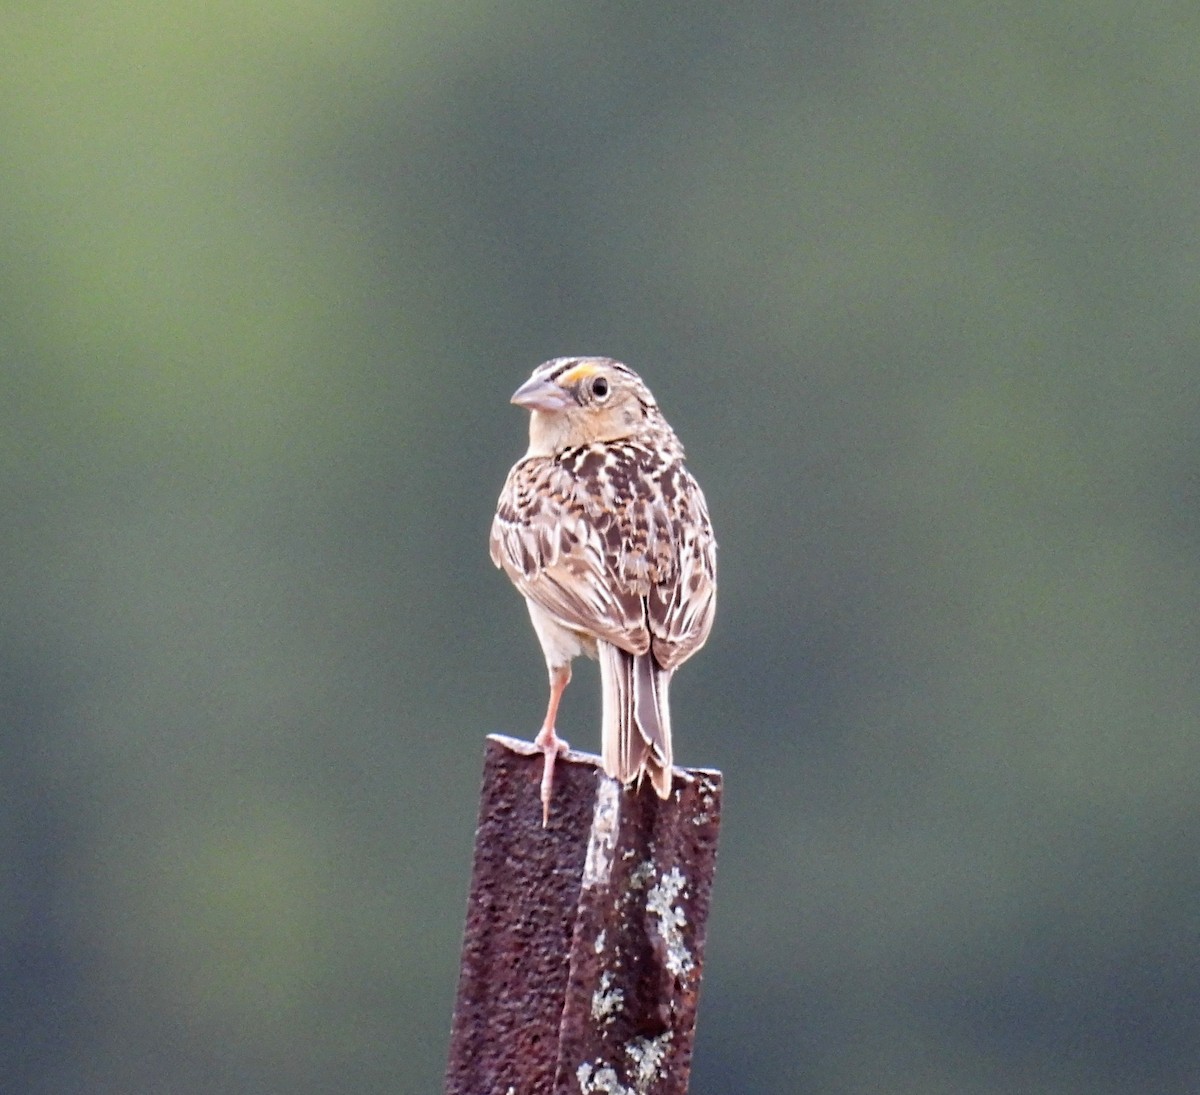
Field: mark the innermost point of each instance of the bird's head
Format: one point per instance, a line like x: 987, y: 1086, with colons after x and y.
x: 579, y: 400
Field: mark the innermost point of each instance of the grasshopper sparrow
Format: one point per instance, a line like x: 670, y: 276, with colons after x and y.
x: 607, y: 536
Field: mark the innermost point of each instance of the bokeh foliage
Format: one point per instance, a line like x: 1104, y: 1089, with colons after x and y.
x: 917, y: 284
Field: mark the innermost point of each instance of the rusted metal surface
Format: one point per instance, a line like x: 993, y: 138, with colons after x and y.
x: 636, y: 959
x: 520, y: 920
x: 584, y: 941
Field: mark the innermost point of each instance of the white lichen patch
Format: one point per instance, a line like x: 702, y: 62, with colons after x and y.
x: 707, y: 808
x: 607, y: 1001
x: 600, y: 941
x: 647, y: 1056
x: 600, y: 1079
x: 641, y: 874
x: 602, y: 841
x: 671, y: 921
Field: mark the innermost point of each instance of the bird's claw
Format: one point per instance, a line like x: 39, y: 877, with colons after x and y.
x: 551, y: 746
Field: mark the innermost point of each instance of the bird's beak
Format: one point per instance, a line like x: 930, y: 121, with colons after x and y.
x: 541, y: 395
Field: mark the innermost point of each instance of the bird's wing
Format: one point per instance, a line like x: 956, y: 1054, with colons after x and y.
x: 680, y: 607
x: 564, y: 555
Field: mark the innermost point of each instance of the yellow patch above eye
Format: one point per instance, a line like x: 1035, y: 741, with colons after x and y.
x: 581, y: 372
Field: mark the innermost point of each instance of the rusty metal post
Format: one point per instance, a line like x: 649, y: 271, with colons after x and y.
x: 584, y: 941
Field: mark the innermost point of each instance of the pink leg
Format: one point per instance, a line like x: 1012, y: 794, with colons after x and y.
x: 548, y: 741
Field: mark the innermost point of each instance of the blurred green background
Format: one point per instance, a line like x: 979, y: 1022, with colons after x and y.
x: 917, y: 284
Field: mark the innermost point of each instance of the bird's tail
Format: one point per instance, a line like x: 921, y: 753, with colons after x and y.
x: 636, y: 735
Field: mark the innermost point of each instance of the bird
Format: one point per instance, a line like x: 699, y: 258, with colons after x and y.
x: 606, y: 534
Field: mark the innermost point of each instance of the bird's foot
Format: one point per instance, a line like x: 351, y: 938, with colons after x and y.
x: 551, y: 746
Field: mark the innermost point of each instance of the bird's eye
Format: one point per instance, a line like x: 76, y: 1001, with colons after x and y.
x: 599, y: 387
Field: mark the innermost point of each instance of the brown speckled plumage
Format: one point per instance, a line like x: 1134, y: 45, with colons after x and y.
x: 605, y: 532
